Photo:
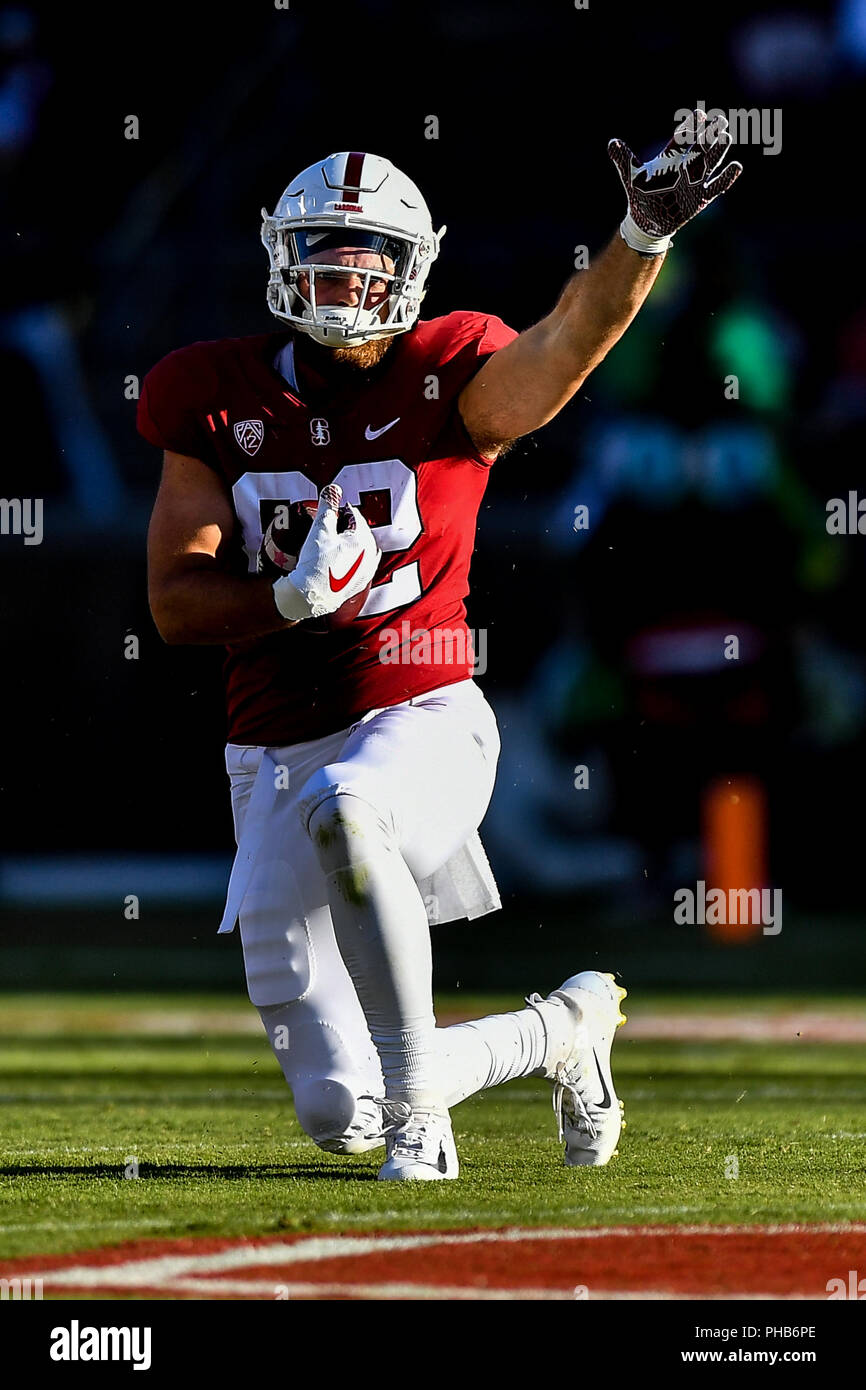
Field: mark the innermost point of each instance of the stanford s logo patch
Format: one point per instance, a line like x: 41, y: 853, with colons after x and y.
x: 249, y: 434
x: 319, y: 431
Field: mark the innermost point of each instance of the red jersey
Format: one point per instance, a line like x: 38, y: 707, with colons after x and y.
x: 397, y: 446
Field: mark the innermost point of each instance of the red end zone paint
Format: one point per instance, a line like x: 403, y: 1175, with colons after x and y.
x: 665, y: 1261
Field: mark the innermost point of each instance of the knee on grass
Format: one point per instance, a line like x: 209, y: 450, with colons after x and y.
x: 335, y: 1119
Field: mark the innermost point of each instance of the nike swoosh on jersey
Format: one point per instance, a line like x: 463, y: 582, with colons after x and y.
x: 604, y: 1103
x: 338, y: 584
x: 374, y: 434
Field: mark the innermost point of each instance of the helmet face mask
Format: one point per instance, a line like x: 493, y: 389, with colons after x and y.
x: 374, y: 210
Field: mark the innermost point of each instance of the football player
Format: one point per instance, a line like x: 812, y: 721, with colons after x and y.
x: 316, y: 515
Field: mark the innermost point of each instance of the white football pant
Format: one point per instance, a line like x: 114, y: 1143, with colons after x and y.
x: 340, y: 832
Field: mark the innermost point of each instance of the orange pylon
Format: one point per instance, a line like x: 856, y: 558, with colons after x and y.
x: 734, y: 814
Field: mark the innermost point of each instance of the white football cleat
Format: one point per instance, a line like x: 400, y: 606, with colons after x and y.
x: 588, y: 1113
x: 419, y: 1144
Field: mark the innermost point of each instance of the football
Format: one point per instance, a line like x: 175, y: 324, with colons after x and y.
x: 281, y: 545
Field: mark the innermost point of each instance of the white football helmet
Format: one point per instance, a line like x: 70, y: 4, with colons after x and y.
x: 357, y: 200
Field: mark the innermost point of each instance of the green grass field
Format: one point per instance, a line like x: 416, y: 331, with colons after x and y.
x: 186, y: 1087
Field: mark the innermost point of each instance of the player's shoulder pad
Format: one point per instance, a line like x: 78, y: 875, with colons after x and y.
x: 198, y: 369
x: 183, y: 388
x: 440, y: 340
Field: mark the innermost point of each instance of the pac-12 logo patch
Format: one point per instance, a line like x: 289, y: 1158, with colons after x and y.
x: 319, y: 431
x: 249, y: 434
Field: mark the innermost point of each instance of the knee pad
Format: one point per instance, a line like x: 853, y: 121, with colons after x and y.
x: 344, y: 829
x: 353, y: 789
x: 335, y: 1119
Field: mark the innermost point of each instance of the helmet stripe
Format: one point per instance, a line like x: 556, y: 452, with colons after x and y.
x: 354, y: 170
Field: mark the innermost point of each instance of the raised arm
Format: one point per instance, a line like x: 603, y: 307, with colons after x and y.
x: 524, y: 385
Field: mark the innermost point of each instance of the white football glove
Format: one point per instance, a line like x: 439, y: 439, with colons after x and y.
x: 333, y: 565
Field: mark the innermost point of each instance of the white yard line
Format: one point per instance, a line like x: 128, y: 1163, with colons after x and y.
x: 240, y: 1288
x: 714, y: 1023
x: 162, y: 1271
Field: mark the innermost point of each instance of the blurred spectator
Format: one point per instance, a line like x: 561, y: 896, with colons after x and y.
x: 35, y: 282
x: 784, y: 54
x: 851, y: 31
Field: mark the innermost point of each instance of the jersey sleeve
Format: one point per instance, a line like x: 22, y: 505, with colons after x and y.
x: 478, y: 337
x: 171, y: 409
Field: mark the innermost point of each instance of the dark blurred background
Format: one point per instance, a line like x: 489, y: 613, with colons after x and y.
x: 707, y: 510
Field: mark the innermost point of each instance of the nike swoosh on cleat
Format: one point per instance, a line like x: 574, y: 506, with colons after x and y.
x: 338, y: 584
x: 374, y: 434
x: 604, y: 1103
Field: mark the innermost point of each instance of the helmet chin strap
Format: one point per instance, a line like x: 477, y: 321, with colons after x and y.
x: 331, y: 323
